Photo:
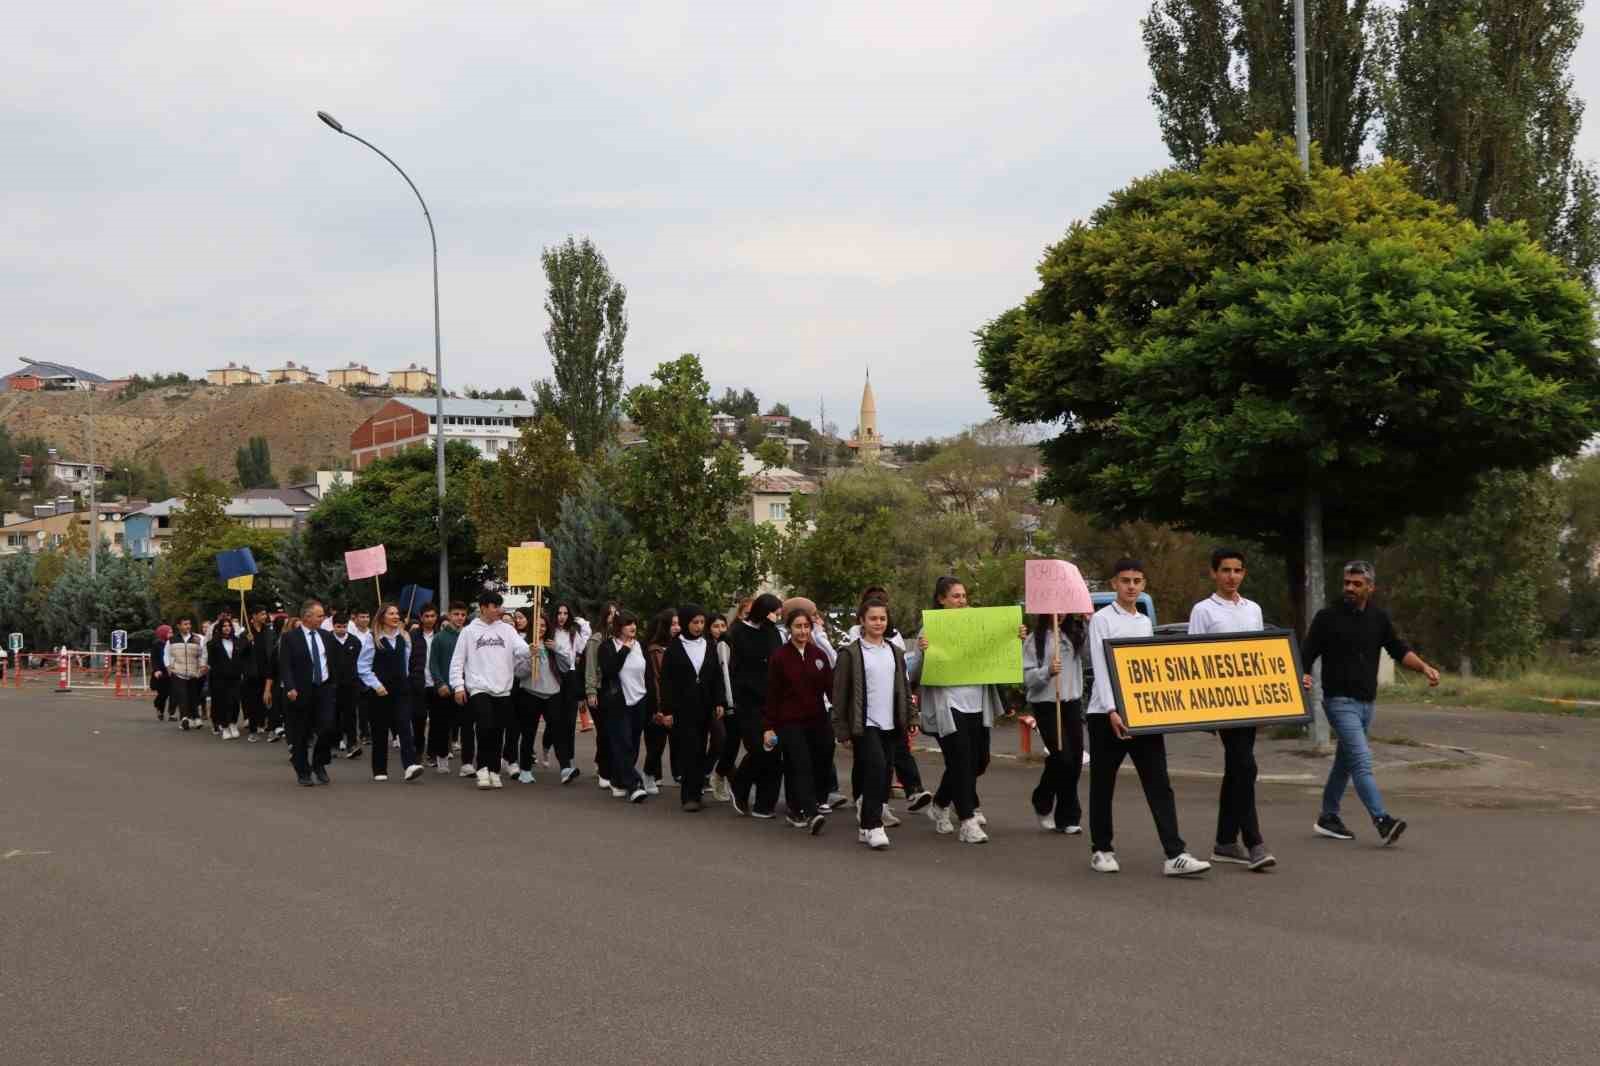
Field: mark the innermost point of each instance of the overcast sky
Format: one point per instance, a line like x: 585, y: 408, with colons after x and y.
x: 794, y: 190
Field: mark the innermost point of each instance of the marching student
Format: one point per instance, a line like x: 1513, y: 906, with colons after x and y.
x: 828, y: 794
x: 385, y: 671
x: 447, y: 714
x: 518, y: 617
x: 1225, y: 611
x: 483, y: 671
x: 260, y: 672
x: 226, y: 655
x: 277, y: 715
x: 905, y: 763
x: 347, y: 684
x: 695, y: 687
x: 160, y: 678
x: 536, y: 696
x: 1110, y: 742
x: 591, y: 693
x: 752, y: 640
x: 571, y: 635
x: 361, y: 627
x: 305, y: 676
x: 625, y: 678
x: 423, y: 689
x: 722, y: 727
x: 795, y: 718
x: 1346, y: 638
x: 664, y: 629
x: 960, y: 718
x: 871, y: 709
x: 1051, y: 669
x: 185, y: 660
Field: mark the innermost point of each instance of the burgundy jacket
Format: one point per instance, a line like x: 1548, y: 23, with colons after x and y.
x: 796, y: 686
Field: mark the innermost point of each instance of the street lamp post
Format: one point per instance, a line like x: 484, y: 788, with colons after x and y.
x: 438, y: 360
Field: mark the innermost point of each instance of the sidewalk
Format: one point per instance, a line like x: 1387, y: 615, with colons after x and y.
x: 1476, y: 758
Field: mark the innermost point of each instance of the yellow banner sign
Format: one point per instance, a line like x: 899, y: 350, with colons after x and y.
x: 1168, y: 684
x: 528, y: 567
x: 247, y: 583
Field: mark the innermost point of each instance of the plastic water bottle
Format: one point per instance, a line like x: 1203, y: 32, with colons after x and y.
x: 770, y: 743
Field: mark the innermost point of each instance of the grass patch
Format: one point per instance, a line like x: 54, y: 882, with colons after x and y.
x: 1397, y: 740
x: 1558, y: 675
x: 1286, y: 732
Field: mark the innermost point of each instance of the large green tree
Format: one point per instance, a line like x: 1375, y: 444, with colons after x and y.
x: 253, y: 462
x: 590, y: 538
x: 588, y: 324
x: 518, y: 496
x: 1478, y: 99
x: 1223, y: 71
x: 685, y: 497
x: 1248, y: 350
x: 395, y: 503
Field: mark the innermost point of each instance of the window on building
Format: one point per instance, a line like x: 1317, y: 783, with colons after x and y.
x: 494, y: 447
x: 116, y: 538
x: 778, y: 512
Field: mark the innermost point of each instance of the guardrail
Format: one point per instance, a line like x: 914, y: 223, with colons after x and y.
x: 125, y: 675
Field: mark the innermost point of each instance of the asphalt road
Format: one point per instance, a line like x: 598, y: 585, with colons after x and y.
x: 170, y: 898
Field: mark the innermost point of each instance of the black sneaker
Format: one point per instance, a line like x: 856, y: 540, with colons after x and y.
x: 1330, y: 825
x: 1389, y: 828
x: 816, y: 824
x: 305, y: 779
x: 738, y: 807
x: 321, y: 774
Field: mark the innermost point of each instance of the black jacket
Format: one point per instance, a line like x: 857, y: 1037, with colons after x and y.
x: 611, y: 660
x: 346, y: 655
x: 691, y: 692
x: 264, y: 654
x: 416, y: 668
x: 750, y: 648
x: 392, y: 667
x: 225, y: 667
x: 294, y: 659
x: 1347, y: 642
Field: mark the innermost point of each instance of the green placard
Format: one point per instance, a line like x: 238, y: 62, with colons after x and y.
x: 973, y: 646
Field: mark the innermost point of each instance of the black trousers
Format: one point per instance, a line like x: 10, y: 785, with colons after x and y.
x: 966, y: 757
x: 255, y: 707
x: 624, y: 725
x: 276, y: 717
x: 657, y: 738
x: 346, y: 698
x: 760, y: 769
x: 163, y: 687
x: 565, y: 708
x: 905, y: 764
x: 690, y: 731
x: 727, y: 754
x: 1149, y: 755
x: 1236, y: 806
x: 311, y: 722
x: 363, y: 714
x: 807, y: 752
x: 529, y: 709
x: 421, y: 711
x: 874, y: 756
x: 1057, y: 791
x: 183, y: 696
x: 441, y: 716
x: 224, y: 701
x: 602, y: 743
x: 390, y: 714
x: 561, y: 726
x: 491, y: 714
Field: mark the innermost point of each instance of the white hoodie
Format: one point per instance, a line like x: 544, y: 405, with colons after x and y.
x: 488, y: 658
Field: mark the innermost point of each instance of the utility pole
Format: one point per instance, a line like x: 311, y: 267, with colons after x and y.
x: 1311, y: 512
x: 94, y: 514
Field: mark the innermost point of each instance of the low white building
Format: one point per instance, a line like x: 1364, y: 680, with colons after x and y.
x: 491, y: 426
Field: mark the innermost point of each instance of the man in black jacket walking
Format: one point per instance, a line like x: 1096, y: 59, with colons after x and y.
x: 306, y: 672
x: 1347, y: 638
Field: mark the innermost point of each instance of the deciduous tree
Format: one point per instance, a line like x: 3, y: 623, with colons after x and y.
x: 588, y: 324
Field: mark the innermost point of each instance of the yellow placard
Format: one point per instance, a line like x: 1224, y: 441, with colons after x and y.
x: 1164, y: 685
x: 245, y: 583
x: 528, y: 567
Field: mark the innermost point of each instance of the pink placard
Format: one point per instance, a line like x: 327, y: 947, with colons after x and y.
x: 366, y: 562
x: 1055, y: 587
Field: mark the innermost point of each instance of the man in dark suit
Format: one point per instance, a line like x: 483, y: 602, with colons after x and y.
x: 308, y: 674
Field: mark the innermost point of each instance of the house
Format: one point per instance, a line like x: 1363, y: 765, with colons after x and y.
x: 291, y: 373
x: 233, y: 374
x: 353, y: 376
x: 39, y: 374
x: 51, y: 524
x: 146, y: 530
x: 296, y: 497
x: 491, y: 426
x: 772, y: 491
x: 777, y: 425
x: 73, y: 473
x: 326, y: 481
x: 725, y: 425
x: 413, y: 379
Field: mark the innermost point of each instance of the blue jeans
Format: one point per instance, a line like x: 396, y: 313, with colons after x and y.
x: 1350, y: 719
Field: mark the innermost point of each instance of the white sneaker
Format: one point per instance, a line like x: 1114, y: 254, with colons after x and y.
x: 341, y: 746
x: 233, y: 732
x: 507, y: 768
x: 413, y: 771
x: 940, y: 817
x: 1074, y: 830
x: 836, y: 800
x: 441, y: 765
x: 890, y: 819
x: 978, y: 817
x: 483, y: 779
x: 972, y: 832
x: 1104, y: 862
x: 618, y: 793
x: 652, y: 787
x: 876, y: 839
x: 394, y: 742
x: 719, y: 787
x: 380, y: 777
x: 1184, y: 865
x: 637, y: 795
x: 568, y: 774
x: 468, y: 770
x: 603, y: 783
x: 1047, y: 822
x: 495, y: 781
x: 1086, y: 757
x: 525, y: 778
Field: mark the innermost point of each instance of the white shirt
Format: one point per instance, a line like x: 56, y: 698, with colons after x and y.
x: 894, y: 638
x: 696, y: 649
x: 631, y: 675
x: 968, y: 699
x: 1217, y: 615
x: 427, y: 668
x: 319, y: 655
x: 877, y: 661
x: 227, y: 646
x: 1110, y: 622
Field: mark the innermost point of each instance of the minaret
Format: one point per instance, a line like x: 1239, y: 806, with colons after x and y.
x: 869, y: 443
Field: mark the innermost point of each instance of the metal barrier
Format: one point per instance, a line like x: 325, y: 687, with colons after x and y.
x: 31, y: 667
x: 127, y: 676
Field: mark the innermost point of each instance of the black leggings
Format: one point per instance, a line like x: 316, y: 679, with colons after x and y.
x: 966, y: 757
x: 1057, y: 791
x: 529, y: 709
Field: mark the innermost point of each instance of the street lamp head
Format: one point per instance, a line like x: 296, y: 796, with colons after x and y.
x: 332, y: 122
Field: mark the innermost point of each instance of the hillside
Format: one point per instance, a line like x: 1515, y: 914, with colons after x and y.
x: 184, y: 426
